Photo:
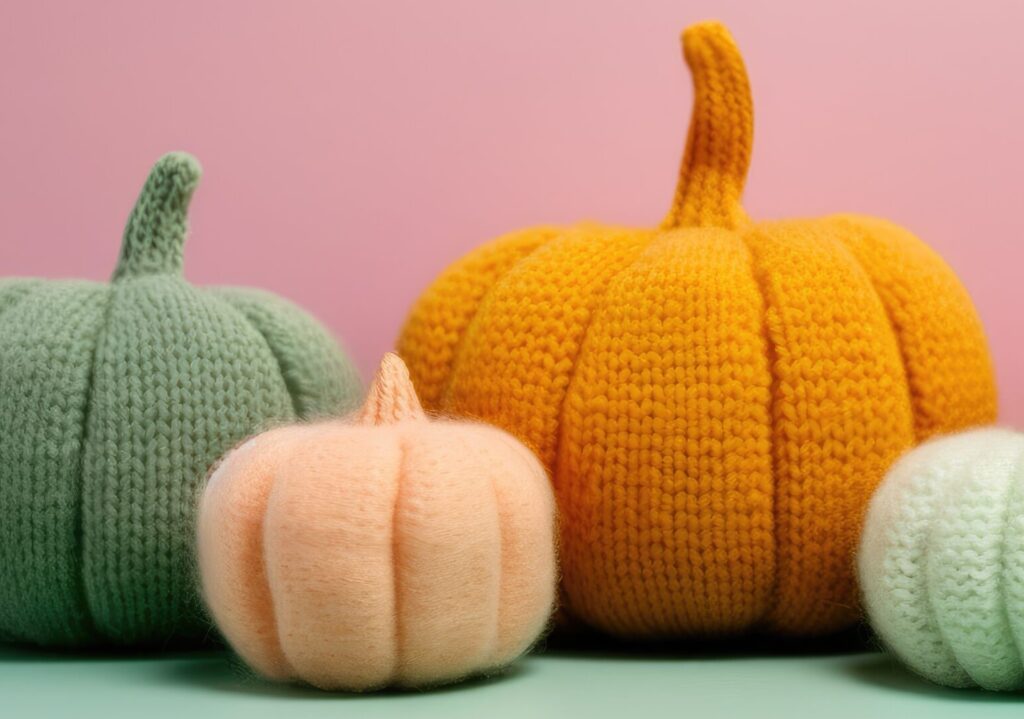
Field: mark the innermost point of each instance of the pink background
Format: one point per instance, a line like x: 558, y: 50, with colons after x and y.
x: 353, y: 149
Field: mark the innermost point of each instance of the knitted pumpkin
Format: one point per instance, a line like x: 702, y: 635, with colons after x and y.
x: 382, y: 549
x: 715, y: 398
x: 942, y: 560
x: 114, y: 401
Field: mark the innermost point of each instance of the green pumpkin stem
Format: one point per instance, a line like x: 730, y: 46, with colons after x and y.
x: 154, y: 238
x: 721, y: 135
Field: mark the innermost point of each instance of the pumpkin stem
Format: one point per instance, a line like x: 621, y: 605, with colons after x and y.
x: 154, y: 238
x: 721, y: 133
x: 392, y: 397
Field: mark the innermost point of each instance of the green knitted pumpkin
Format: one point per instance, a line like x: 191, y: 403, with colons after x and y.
x: 115, y: 399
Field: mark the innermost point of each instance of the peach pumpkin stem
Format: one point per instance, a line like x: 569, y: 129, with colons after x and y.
x: 721, y: 134
x: 392, y: 398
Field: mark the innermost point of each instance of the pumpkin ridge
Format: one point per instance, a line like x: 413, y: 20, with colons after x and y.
x: 84, y: 438
x: 932, y: 610
x: 814, y: 590
x: 289, y: 384
x: 416, y: 342
x: 771, y: 354
x: 1004, y: 608
x: 589, y: 255
x: 596, y: 308
x: 895, y: 326
x: 396, y: 583
x: 48, y: 609
x: 268, y: 586
x: 960, y: 505
x: 1014, y: 499
x: 556, y: 234
x: 498, y: 659
x: 317, y: 379
x: 941, y: 337
x: 145, y: 596
x: 905, y: 505
x: 674, y: 584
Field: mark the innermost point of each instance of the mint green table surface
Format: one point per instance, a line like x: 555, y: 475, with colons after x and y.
x: 594, y: 683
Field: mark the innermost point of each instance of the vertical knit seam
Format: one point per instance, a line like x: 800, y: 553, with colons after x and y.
x: 290, y: 386
x: 598, y: 307
x: 88, y: 619
x: 895, y: 327
x: 759, y: 276
x: 457, y: 351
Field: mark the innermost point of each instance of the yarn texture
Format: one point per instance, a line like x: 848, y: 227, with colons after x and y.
x: 114, y: 401
x: 715, y: 399
x: 383, y: 549
x: 942, y: 560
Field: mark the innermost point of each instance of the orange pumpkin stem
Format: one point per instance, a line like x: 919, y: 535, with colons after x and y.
x: 392, y: 397
x: 721, y: 133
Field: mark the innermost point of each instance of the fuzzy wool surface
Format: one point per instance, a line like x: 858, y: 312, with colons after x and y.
x: 716, y: 398
x: 114, y: 401
x: 942, y: 560
x: 383, y: 550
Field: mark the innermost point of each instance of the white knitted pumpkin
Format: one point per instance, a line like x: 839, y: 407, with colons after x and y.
x: 942, y: 559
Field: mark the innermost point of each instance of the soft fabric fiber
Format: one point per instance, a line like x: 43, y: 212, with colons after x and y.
x: 384, y: 549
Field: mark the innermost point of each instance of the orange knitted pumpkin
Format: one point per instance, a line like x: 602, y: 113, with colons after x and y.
x: 716, y: 398
x: 382, y: 549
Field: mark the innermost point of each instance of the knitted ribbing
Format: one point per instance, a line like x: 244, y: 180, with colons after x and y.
x: 942, y: 560
x: 114, y: 401
x: 716, y: 399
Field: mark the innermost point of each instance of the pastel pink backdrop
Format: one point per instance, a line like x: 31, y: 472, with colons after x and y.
x: 353, y: 149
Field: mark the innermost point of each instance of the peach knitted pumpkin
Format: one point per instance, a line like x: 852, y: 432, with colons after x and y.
x: 385, y: 549
x: 715, y: 398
